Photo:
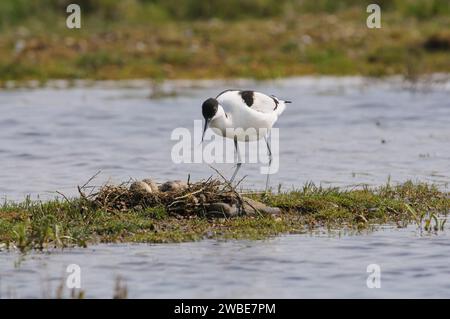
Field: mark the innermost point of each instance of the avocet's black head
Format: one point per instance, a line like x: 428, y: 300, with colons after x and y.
x: 209, y: 110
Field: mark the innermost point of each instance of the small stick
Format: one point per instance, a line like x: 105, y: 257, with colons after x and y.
x: 81, y: 193
x: 187, y: 195
x: 223, y: 177
x: 58, y: 192
x: 90, y: 179
x: 175, y: 202
x: 234, y: 191
x: 237, y: 184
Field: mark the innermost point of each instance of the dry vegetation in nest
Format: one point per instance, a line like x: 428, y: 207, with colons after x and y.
x: 210, y: 197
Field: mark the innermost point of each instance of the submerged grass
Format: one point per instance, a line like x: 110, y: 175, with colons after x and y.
x: 75, y: 222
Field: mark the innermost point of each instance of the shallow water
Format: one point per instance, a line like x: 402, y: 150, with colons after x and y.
x: 295, y: 266
x: 340, y: 132
x: 54, y: 139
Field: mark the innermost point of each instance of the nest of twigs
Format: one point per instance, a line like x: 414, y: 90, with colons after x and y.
x: 178, y: 198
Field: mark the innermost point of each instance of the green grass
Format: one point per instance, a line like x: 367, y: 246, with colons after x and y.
x: 15, y: 11
x: 196, y: 39
x: 64, y: 223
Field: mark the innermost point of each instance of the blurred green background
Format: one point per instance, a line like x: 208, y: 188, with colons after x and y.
x: 16, y: 11
x: 223, y: 38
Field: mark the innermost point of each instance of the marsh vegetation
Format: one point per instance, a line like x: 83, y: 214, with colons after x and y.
x: 80, y: 221
x: 198, y: 39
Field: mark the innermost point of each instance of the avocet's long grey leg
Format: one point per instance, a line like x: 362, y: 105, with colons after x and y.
x: 269, y: 153
x: 239, y: 163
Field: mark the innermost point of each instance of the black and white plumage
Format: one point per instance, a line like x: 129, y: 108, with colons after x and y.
x: 248, y: 114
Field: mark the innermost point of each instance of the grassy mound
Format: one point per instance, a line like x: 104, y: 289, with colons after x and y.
x: 94, y: 218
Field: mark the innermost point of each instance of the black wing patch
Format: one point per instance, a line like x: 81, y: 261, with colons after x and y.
x: 276, y: 102
x: 248, y: 97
